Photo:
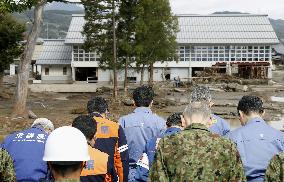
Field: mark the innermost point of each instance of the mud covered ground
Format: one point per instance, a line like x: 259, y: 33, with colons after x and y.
x: 62, y: 108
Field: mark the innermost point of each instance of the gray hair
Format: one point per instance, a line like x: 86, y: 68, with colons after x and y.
x: 44, y: 123
x: 197, y: 108
x: 201, y: 94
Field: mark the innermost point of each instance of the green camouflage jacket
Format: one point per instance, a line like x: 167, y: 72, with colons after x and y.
x: 275, y: 169
x: 7, y: 172
x: 196, y: 154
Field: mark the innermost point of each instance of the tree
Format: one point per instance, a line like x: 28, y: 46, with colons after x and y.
x: 11, y: 33
x: 126, y: 34
x: 21, y: 94
x: 100, y: 31
x: 156, y: 30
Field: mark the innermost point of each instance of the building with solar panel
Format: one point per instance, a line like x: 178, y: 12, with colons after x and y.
x: 239, y: 45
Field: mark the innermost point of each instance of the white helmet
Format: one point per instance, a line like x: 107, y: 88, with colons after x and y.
x: 66, y: 144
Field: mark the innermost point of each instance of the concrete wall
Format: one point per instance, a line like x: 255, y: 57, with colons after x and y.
x: 56, y: 74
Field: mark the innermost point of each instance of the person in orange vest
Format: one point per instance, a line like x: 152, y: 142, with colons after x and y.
x: 100, y: 167
x: 110, y: 137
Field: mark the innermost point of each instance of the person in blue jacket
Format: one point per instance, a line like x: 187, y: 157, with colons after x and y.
x: 174, y: 125
x: 26, y: 148
x: 140, y: 126
x: 256, y: 141
x: 219, y: 126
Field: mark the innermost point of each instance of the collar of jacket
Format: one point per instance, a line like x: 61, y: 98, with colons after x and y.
x: 96, y: 114
x: 143, y: 110
x: 197, y: 126
x: 172, y: 130
x: 255, y: 120
x: 39, y: 128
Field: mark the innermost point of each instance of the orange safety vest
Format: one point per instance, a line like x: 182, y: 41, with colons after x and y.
x: 96, y: 169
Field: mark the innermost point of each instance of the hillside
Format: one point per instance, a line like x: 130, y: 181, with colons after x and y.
x: 64, y: 6
x: 278, y: 26
x: 55, y: 21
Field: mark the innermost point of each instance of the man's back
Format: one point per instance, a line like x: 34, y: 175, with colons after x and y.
x: 26, y: 149
x: 99, y: 168
x: 111, y: 140
x: 196, y: 154
x: 257, y: 143
x: 139, y: 127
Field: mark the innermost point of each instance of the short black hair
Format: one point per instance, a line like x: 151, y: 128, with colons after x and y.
x: 97, y: 104
x: 67, y: 167
x: 143, y: 96
x: 249, y: 104
x: 86, y: 124
x: 174, y: 120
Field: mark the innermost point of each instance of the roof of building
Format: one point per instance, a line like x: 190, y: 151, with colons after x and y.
x: 206, y: 29
x: 74, y: 35
x: 226, y: 29
x: 55, y: 52
x: 279, y: 48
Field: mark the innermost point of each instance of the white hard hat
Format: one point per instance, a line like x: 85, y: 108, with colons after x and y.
x: 66, y: 144
x: 43, y: 122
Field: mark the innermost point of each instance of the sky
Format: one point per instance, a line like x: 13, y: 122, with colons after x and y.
x: 274, y: 8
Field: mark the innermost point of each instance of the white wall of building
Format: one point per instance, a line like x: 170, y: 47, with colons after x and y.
x: 85, y: 64
x: 56, y: 73
x: 12, y: 69
x: 183, y: 73
x: 184, y: 64
x: 37, y: 68
x: 159, y: 74
x: 104, y: 75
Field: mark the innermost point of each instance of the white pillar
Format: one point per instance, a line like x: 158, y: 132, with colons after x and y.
x: 229, y: 69
x: 73, y: 74
x: 12, y: 69
x: 190, y: 74
x: 269, y: 75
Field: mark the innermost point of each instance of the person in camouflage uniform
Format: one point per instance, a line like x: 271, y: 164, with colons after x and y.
x: 275, y: 169
x: 7, y: 172
x: 196, y: 154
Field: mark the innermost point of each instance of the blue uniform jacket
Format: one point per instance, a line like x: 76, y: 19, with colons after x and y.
x: 139, y: 127
x: 257, y: 143
x: 220, y: 126
x: 26, y: 149
x: 147, y: 158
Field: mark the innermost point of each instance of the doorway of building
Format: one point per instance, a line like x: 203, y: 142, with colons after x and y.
x: 87, y: 74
